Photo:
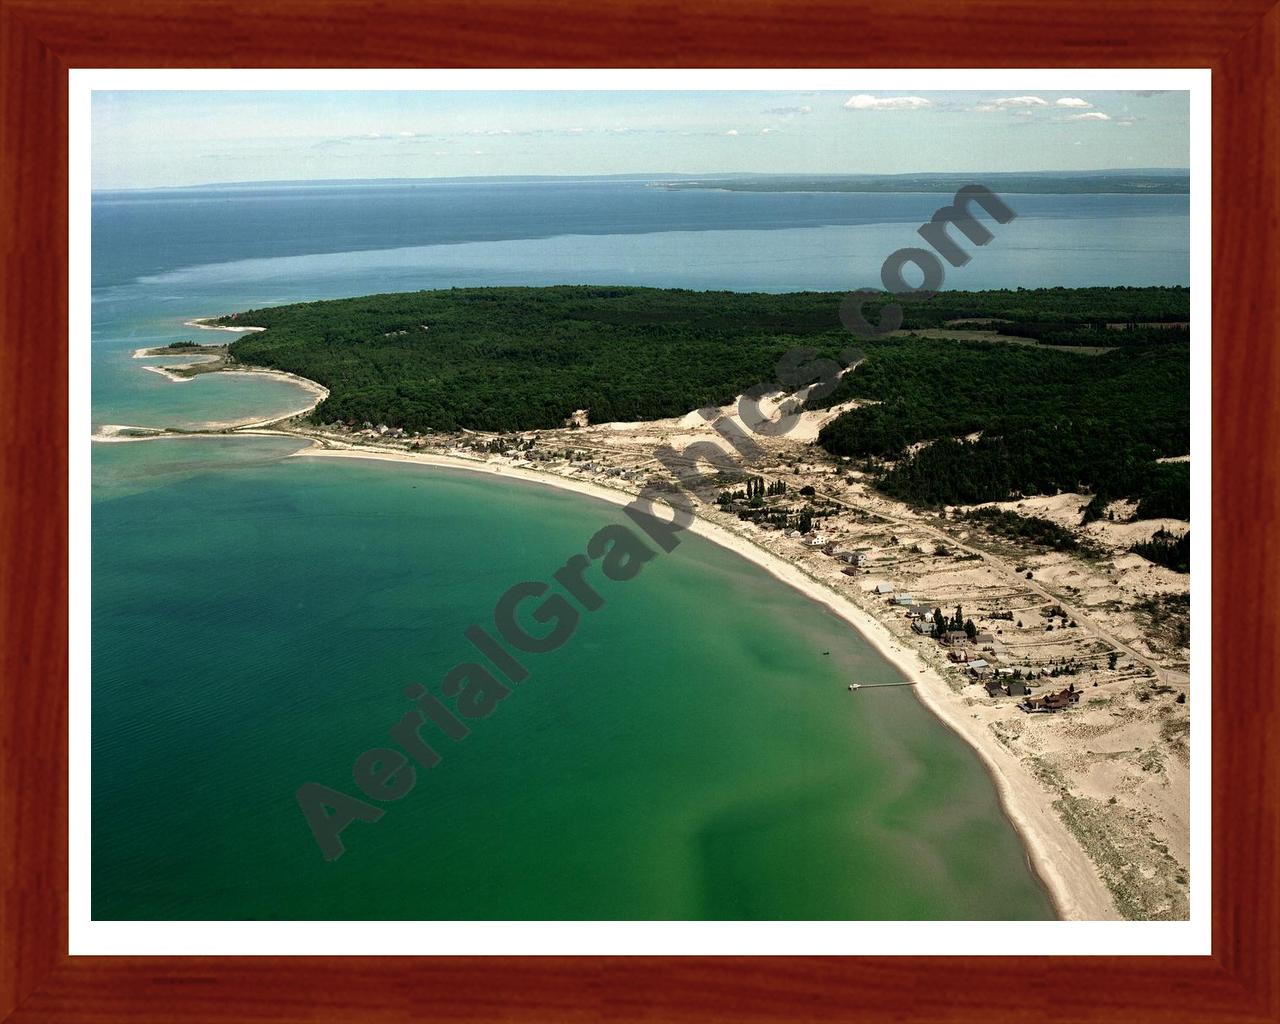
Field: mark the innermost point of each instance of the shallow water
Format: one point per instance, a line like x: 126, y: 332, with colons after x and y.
x: 690, y: 752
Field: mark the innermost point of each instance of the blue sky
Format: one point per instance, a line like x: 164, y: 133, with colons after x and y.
x: 152, y: 139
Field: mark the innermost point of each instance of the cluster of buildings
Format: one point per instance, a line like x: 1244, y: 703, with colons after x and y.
x: 974, y: 654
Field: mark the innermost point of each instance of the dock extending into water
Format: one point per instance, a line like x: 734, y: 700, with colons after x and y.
x: 868, y: 686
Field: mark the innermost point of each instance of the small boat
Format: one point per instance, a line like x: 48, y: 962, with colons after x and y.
x: 825, y: 653
x: 855, y: 686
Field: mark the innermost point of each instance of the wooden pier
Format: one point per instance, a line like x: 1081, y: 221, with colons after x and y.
x: 868, y: 686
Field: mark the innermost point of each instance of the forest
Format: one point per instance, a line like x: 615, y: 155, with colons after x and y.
x: 1164, y: 548
x: 1002, y: 420
x: 1006, y: 421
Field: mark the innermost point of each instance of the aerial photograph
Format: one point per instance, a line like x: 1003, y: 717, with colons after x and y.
x: 641, y: 505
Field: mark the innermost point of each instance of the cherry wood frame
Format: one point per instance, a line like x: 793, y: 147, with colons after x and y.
x: 41, y: 39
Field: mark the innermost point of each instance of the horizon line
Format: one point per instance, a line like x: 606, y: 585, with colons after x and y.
x: 260, y: 182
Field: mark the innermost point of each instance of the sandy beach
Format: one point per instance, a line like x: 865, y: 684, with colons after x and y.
x: 1109, y: 779
x: 202, y: 326
x: 1077, y: 891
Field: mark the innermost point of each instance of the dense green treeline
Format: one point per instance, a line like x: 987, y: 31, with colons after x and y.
x: 1165, y: 549
x: 1098, y: 334
x: 1056, y: 306
x: 1045, y: 421
x: 527, y: 358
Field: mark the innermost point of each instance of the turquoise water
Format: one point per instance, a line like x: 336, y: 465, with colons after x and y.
x: 126, y: 395
x: 691, y: 752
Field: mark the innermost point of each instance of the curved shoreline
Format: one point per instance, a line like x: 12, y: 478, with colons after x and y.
x: 318, y: 393
x: 1057, y: 860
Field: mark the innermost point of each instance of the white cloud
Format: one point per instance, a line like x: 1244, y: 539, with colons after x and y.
x: 732, y: 131
x: 1094, y: 115
x: 786, y: 111
x: 864, y: 102
x: 1074, y: 101
x: 767, y: 131
x: 1018, y: 104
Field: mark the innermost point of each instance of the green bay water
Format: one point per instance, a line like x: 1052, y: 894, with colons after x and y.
x: 691, y: 752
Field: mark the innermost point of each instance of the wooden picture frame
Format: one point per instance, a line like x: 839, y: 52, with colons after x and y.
x: 42, y: 39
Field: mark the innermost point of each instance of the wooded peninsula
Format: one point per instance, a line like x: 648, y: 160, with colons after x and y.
x: 981, y: 396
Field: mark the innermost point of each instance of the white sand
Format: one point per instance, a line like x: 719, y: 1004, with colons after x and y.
x: 168, y: 374
x: 200, y: 325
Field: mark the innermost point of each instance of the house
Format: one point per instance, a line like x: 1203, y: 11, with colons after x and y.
x: 816, y: 541
x: 1051, y: 702
x: 904, y: 599
x: 1017, y: 688
x: 795, y: 534
x: 858, y: 558
x: 925, y: 627
x: 952, y: 637
x: 884, y: 588
x: 994, y: 689
x: 984, y: 638
x: 958, y: 655
x: 978, y: 668
x: 849, y: 570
